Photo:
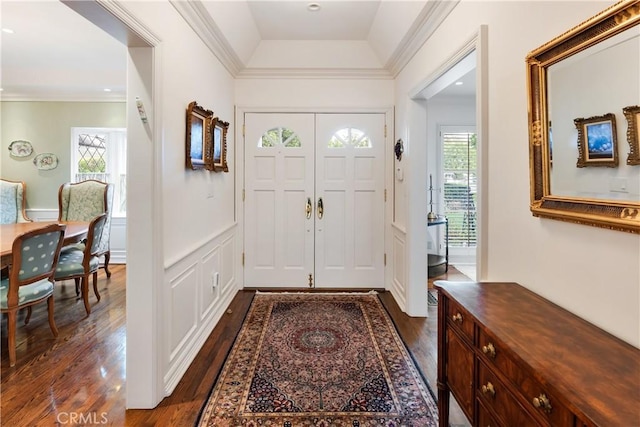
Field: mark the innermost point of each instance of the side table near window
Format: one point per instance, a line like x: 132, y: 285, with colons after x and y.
x: 436, y: 260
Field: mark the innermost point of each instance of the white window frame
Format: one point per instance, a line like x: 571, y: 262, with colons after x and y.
x: 116, y: 160
x: 462, y: 255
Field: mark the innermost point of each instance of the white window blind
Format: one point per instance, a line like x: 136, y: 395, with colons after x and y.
x: 460, y: 186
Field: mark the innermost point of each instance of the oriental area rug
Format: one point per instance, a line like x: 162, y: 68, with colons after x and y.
x: 330, y: 359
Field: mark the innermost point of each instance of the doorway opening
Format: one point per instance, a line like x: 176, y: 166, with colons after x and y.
x: 453, y: 154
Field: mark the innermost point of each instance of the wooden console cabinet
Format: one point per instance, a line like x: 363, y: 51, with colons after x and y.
x: 512, y: 358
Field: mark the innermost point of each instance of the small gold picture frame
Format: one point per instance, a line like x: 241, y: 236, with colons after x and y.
x: 632, y: 115
x: 219, y: 137
x: 597, y: 141
x: 199, y: 148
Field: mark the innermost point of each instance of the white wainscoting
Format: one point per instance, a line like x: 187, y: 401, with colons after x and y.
x: 198, y: 289
x: 398, y: 284
x: 118, y: 239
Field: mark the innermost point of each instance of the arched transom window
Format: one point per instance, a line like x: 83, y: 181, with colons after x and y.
x: 279, y: 136
x: 349, y: 137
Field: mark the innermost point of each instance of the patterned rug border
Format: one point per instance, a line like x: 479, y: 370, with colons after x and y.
x: 371, y: 292
x: 386, y: 312
x: 413, y: 359
x: 215, y: 381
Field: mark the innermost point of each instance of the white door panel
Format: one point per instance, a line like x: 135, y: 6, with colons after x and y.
x: 340, y: 160
x: 350, y: 180
x: 278, y: 180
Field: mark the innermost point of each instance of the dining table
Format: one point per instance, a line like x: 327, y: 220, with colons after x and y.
x: 74, y: 232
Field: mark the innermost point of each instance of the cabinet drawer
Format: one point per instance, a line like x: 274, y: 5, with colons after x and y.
x: 460, y: 319
x: 497, y: 358
x: 545, y: 404
x: 485, y: 419
x: 495, y: 395
x: 460, y: 372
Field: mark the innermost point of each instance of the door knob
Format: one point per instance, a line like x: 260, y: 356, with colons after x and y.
x: 309, y: 207
x: 320, y: 208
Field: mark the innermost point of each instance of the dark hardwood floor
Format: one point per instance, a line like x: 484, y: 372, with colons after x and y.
x: 79, y: 378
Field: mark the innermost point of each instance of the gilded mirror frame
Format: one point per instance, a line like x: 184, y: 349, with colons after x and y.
x: 613, y: 214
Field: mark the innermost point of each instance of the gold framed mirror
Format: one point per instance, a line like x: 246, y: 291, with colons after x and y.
x: 590, y: 71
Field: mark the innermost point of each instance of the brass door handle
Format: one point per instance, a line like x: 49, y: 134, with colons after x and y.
x: 457, y: 317
x: 320, y: 208
x: 309, y: 207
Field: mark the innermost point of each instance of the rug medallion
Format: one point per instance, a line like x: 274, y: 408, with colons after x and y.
x: 304, y: 359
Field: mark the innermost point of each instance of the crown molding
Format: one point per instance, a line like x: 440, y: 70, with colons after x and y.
x: 60, y: 98
x: 430, y: 18
x: 197, y: 17
x: 315, y: 73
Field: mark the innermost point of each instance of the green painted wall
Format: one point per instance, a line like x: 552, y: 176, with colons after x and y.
x: 47, y: 125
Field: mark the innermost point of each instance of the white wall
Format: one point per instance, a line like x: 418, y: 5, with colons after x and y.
x: 560, y: 261
x: 587, y: 88
x: 183, y: 217
x: 305, y: 93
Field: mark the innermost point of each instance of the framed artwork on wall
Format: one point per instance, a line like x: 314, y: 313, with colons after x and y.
x: 199, y: 147
x: 632, y: 115
x: 597, y: 142
x: 220, y: 129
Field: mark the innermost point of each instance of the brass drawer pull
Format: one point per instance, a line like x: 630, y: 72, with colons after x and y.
x: 457, y: 317
x: 489, y: 350
x: 488, y: 389
x: 542, y: 402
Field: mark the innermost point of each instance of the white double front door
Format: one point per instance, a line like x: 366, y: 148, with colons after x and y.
x: 314, y: 200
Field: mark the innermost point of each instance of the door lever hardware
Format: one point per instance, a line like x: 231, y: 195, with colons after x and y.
x: 320, y: 208
x: 309, y: 207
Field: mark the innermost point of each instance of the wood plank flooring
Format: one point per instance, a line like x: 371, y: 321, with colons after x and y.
x: 79, y: 378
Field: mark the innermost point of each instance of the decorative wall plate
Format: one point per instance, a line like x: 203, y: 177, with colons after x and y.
x: 46, y: 161
x: 20, y: 148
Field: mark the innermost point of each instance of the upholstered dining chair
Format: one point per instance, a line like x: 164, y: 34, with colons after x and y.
x: 12, y: 202
x: 75, y: 263
x: 35, y: 256
x: 83, y: 201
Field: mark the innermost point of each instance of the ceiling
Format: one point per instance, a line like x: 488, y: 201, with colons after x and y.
x: 45, y: 59
x: 335, y: 20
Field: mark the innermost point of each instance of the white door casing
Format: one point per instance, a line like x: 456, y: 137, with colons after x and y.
x: 285, y: 242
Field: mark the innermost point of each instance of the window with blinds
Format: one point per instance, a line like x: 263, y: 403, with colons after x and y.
x: 460, y: 186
